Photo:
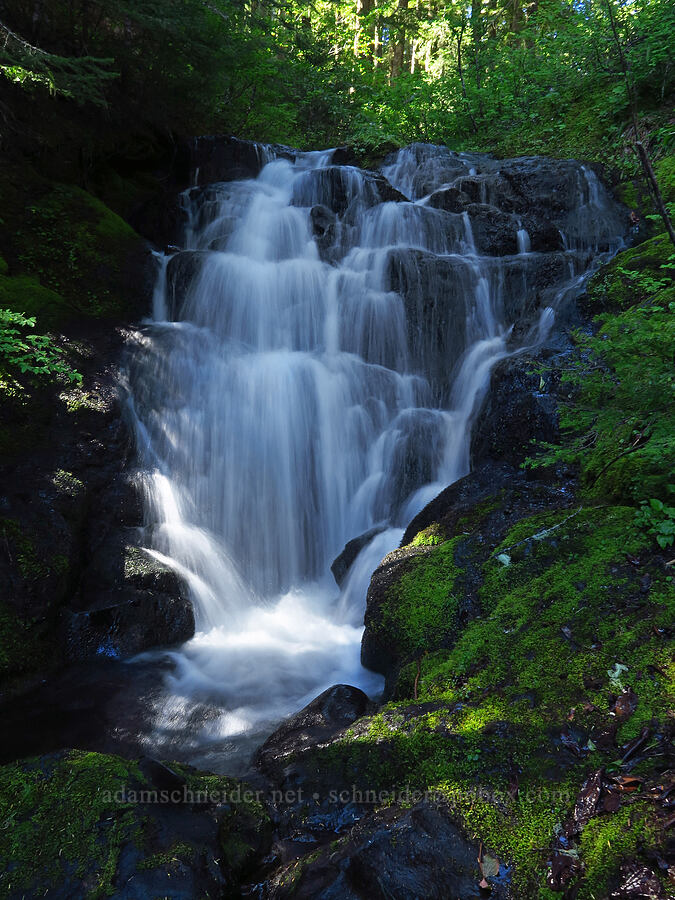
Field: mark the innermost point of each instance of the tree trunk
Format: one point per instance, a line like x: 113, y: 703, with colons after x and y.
x: 656, y: 191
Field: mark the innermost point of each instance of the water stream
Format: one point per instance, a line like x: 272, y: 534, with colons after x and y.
x: 297, y: 388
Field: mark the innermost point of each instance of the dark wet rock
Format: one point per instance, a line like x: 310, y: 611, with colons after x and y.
x: 161, y: 218
x: 343, y: 188
x: 181, y: 269
x: 325, y: 227
x: 451, y: 199
x: 638, y: 883
x: 127, y: 600
x: 161, y: 776
x: 72, y: 576
x: 344, y: 156
x: 322, y: 219
x: 343, y: 563
x: 436, y: 166
x: 554, y: 182
x: 544, y: 236
x: 102, y: 704
x: 494, y: 231
x: 226, y: 158
x: 520, y: 407
x: 127, y: 621
x: 435, y: 292
x: 317, y: 723
x: 393, y: 854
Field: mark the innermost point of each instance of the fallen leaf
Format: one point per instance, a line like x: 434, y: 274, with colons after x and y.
x: 626, y: 703
x: 490, y: 866
x: 627, y: 783
x: 587, y: 801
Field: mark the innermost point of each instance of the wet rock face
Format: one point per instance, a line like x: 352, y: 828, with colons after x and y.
x: 394, y: 854
x: 225, y: 158
x: 133, y: 602
x: 520, y: 407
x: 343, y: 563
x: 74, y: 581
x: 318, y: 722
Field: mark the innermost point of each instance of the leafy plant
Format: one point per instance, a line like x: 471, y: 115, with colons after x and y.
x: 33, y: 354
x: 658, y: 519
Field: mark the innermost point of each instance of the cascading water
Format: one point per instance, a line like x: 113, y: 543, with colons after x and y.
x: 319, y: 350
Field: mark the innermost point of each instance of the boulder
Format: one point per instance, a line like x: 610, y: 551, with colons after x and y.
x: 317, y: 723
x: 128, y: 602
x: 226, y: 158
x: 452, y: 199
x: 494, y: 231
x: 181, y: 270
x: 343, y: 189
x: 395, y: 854
x: 476, y: 510
x: 343, y: 563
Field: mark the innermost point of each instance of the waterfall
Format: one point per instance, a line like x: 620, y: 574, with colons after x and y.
x: 319, y: 350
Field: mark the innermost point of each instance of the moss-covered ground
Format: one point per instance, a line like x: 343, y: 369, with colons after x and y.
x: 75, y: 822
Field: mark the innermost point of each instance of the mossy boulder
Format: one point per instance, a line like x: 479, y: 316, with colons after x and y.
x: 87, y: 825
x: 67, y: 254
x: 564, y: 671
x: 632, y: 277
x: 422, y: 594
x: 540, y: 721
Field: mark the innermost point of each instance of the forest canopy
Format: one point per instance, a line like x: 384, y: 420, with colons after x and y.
x: 366, y: 72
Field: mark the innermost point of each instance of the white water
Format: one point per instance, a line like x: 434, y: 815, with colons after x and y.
x: 284, y: 406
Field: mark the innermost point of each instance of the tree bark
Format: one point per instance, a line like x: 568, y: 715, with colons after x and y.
x: 656, y: 191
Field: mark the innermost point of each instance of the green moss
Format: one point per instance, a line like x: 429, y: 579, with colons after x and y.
x: 665, y: 175
x: 608, y: 840
x: 58, y: 818
x: 631, y: 277
x: 429, y: 537
x: 66, y: 818
x: 25, y: 294
x: 616, y: 411
x: 421, y: 607
x: 535, y: 664
x: 178, y: 854
x: 67, y: 251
